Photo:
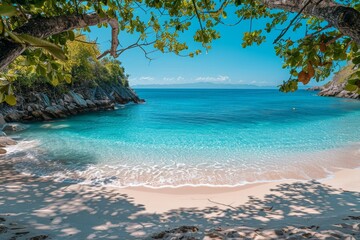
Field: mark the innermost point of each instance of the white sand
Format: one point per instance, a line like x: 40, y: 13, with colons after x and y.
x: 37, y: 206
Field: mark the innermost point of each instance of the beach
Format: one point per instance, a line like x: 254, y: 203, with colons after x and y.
x: 40, y: 207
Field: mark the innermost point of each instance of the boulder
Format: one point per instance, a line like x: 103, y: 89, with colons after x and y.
x: 4, y: 141
x: 2, y: 151
x: 68, y: 98
x: 13, y: 116
x: 45, y: 99
x: 37, y: 114
x: 13, y: 127
x: 33, y: 97
x: 342, y: 94
x: 90, y: 103
x: 61, y: 102
x: 56, y: 111
x: 78, y: 99
x: 35, y: 107
x: 72, y: 109
x: 315, y: 88
x: 2, y: 120
x: 46, y: 116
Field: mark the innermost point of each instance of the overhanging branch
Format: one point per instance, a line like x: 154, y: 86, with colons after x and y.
x: 44, y: 27
x: 345, y: 19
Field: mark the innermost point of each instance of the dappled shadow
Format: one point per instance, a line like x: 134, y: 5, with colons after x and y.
x: 61, y: 211
x: 67, y: 212
x: 302, y: 208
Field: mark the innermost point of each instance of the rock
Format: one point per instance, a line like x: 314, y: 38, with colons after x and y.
x: 6, y: 141
x: 80, y: 95
x: 13, y: 116
x: 343, y: 93
x: 36, y: 114
x: 233, y: 234
x: 2, y: 120
x: 67, y: 98
x: 3, y: 229
x: 315, y: 88
x: 72, y: 109
x: 40, y: 106
x: 45, y: 99
x: 56, y: 111
x: 2, y: 151
x: 39, y: 237
x: 45, y: 116
x: 61, y: 102
x: 78, y: 99
x: 32, y: 97
x: 90, y: 103
x: 14, y: 127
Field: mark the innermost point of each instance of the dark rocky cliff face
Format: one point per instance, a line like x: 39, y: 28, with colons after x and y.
x: 336, y: 87
x: 40, y: 106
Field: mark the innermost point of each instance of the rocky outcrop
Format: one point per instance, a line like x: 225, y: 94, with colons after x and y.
x: 316, y: 88
x: 336, y: 87
x: 40, y: 106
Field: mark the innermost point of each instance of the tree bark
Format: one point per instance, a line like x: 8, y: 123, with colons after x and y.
x: 345, y: 19
x: 45, y: 27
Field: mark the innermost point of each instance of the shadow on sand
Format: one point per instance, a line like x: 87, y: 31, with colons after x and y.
x: 31, y: 206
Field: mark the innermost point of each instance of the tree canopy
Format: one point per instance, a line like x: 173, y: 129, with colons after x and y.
x: 38, y: 32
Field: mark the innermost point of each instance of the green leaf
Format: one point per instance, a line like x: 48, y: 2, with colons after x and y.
x: 350, y: 88
x: 67, y: 78
x: 40, y: 70
x: 224, y: 15
x: 353, y: 81
x: 356, y: 60
x: 56, y: 52
x: 71, y: 35
x: 14, y: 37
x: 10, y: 99
x: 53, y: 49
x: 7, y: 10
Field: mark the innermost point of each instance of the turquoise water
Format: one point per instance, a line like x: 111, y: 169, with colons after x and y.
x: 198, y: 137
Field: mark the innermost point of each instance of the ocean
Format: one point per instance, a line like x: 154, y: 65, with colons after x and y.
x: 197, y: 137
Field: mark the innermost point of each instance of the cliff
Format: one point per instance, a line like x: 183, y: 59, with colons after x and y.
x: 337, y: 86
x: 52, y: 103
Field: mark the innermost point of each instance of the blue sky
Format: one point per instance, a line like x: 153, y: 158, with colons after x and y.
x: 226, y: 62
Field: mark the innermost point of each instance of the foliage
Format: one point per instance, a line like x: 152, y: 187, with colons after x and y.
x: 81, y: 69
x: 160, y: 25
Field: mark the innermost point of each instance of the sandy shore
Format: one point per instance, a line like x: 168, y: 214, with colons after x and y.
x: 39, y: 208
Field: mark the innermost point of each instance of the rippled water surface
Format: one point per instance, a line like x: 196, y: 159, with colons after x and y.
x: 198, y: 137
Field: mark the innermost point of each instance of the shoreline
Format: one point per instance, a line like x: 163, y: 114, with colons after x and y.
x: 349, y: 155
x: 42, y: 207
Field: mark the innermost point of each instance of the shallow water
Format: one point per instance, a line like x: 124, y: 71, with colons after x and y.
x: 198, y: 137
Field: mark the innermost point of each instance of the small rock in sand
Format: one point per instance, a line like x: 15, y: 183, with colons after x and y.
x: 2, y: 151
x: 13, y: 127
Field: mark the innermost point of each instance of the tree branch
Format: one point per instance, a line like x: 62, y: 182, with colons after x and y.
x: 292, y: 21
x: 44, y: 27
x: 345, y: 19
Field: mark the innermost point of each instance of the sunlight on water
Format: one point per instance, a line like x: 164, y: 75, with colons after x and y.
x: 198, y: 137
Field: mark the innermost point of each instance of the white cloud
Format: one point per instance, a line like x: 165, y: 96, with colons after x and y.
x: 146, y: 78
x: 219, y: 78
x: 173, y: 79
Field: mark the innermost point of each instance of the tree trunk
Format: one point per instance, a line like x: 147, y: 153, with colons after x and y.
x: 345, y: 19
x: 45, y: 27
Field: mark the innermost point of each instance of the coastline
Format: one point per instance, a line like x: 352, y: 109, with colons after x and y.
x: 42, y: 207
